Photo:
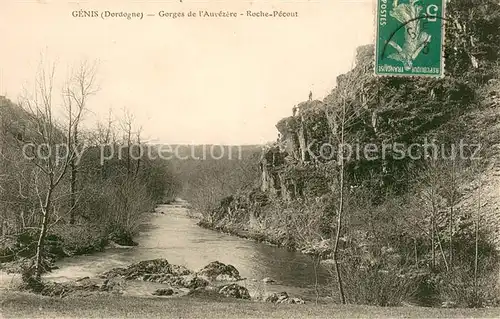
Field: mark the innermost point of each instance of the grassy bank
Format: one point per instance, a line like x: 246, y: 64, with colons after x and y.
x: 15, y: 305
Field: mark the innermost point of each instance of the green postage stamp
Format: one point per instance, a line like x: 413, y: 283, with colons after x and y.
x: 410, y: 38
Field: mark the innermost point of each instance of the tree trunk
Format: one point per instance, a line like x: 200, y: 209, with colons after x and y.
x: 72, y: 191
x: 452, y: 206
x: 416, y: 251
x: 129, y: 132
x: 339, y: 214
x: 476, y: 248
x: 73, y: 168
x: 39, y: 247
x: 442, y: 251
x: 43, y: 232
x: 451, y: 236
x: 316, y: 263
x: 433, y: 231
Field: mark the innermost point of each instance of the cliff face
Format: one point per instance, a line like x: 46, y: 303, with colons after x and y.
x: 286, y: 165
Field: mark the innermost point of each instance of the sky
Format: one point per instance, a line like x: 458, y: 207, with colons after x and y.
x: 189, y: 80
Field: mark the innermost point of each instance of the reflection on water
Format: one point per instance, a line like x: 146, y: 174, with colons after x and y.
x: 177, y: 238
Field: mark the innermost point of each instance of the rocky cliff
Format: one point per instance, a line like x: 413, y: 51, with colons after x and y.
x: 299, y: 171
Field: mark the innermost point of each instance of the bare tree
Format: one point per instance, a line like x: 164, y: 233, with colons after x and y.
x: 52, y: 147
x: 126, y: 125
x: 434, y: 185
x: 81, y: 86
x: 450, y: 188
x: 351, y: 99
x: 138, y: 141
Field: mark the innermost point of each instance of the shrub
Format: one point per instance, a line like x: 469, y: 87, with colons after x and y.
x: 457, y: 287
x: 79, y: 239
x: 377, y: 281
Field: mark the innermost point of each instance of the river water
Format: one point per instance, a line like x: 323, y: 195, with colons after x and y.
x: 175, y: 236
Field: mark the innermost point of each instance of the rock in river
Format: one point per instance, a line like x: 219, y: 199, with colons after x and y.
x: 159, y: 270
x: 146, y: 269
x: 219, y: 271
x: 235, y: 291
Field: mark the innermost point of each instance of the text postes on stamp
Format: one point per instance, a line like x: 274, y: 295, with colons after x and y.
x: 410, y: 37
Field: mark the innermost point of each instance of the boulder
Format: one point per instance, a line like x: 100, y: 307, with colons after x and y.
x: 297, y: 301
x: 177, y: 270
x: 115, y: 272
x: 189, y: 281
x: 164, y: 292
x: 283, y: 298
x: 275, y: 297
x: 234, y: 291
x: 114, y: 284
x: 219, y: 271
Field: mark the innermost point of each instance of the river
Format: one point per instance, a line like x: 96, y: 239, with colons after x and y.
x: 173, y: 235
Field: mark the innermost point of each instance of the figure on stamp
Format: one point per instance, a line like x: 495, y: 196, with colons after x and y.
x: 415, y: 38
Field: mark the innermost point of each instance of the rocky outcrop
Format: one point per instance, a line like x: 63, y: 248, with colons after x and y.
x: 178, y: 278
x: 220, y: 272
x: 161, y: 271
x: 148, y: 269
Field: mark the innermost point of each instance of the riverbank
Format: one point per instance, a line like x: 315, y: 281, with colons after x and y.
x: 254, y: 215
x: 16, y: 305
x: 274, y: 237
x: 241, y: 232
x: 63, y: 241
x: 17, y: 252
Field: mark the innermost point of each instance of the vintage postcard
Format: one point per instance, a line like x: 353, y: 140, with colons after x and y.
x: 249, y: 158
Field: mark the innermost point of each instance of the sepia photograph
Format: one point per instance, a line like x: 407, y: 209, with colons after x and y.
x: 250, y: 159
